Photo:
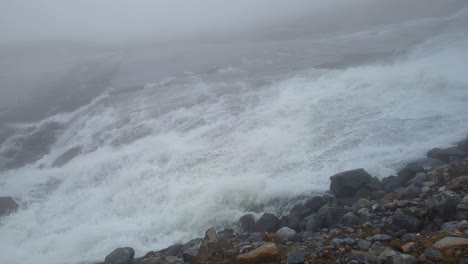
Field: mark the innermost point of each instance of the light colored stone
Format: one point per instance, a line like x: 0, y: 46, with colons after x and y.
x: 451, y: 242
x: 267, y: 253
x: 285, y: 233
x: 408, y: 247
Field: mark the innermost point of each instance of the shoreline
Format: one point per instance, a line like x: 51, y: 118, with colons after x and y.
x: 417, y: 216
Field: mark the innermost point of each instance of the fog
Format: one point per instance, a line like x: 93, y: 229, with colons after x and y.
x: 67, y: 52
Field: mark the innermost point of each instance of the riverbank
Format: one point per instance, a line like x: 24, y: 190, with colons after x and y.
x: 417, y: 216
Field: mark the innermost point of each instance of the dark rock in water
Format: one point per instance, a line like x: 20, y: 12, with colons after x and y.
x: 346, y: 183
x: 315, y: 203
x: 296, y: 257
x: 433, y: 254
x: 445, y: 154
x: 7, y: 205
x: 402, y: 220
x: 409, y: 171
x: 120, y: 256
x: 429, y: 163
x: 247, y: 223
x: 66, y: 157
x: 446, y: 204
x: 173, y: 250
x: 267, y: 223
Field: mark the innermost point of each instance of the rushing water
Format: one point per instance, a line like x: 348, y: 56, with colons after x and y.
x: 161, y: 163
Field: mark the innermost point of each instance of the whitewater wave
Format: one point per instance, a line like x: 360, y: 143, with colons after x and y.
x: 162, y: 164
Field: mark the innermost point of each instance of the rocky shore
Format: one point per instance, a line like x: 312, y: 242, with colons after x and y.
x: 419, y: 215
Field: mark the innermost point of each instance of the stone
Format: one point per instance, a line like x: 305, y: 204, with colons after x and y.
x: 462, y: 212
x: 120, y: 256
x: 465, y: 201
x: 173, y: 250
x: 400, y: 233
x: 392, y: 183
x: 267, y: 253
x: 247, y: 223
x: 315, y: 203
x: 336, y: 242
x: 7, y: 205
x: 192, y: 244
x: 387, y: 254
x: 363, y: 244
x: 463, y: 225
x: 350, y: 219
x: 324, y: 218
x: 451, y: 242
x: 345, y: 184
x: 190, y: 255
x: 296, y: 216
x: 446, y: 203
x: 296, y: 257
x: 445, y: 154
x: 173, y: 260
x: 285, y: 233
x: 402, y: 220
x: 449, y: 226
x: 267, y: 223
x: 409, y: 171
x: 408, y: 247
x: 403, y: 259
x: 459, y: 183
x: 433, y: 254
x: 363, y: 257
x: 381, y: 237
x: 409, y: 237
x: 208, y: 245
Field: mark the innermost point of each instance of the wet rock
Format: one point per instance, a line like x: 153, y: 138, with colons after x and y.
x: 324, y: 218
x: 347, y: 183
x: 208, y: 245
x: 120, y: 256
x: 296, y: 257
x: 315, y: 203
x: 7, y: 205
x: 409, y: 171
x: 190, y: 255
x: 265, y: 254
x: 409, y: 192
x: 192, y: 244
x: 285, y: 233
x: 445, y: 154
x: 173, y: 250
x: 247, y: 223
x: 451, y: 242
x: 66, y: 157
x: 268, y: 223
x: 297, y: 215
x: 403, y: 220
x: 173, y: 260
x: 392, y: 183
x: 363, y: 244
x: 433, y: 254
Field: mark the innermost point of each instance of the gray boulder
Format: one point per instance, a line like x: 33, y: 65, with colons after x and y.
x: 404, y: 220
x: 445, y: 154
x: 268, y: 223
x: 247, y: 223
x: 7, y: 205
x: 120, y: 256
x: 348, y: 183
x: 285, y: 233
